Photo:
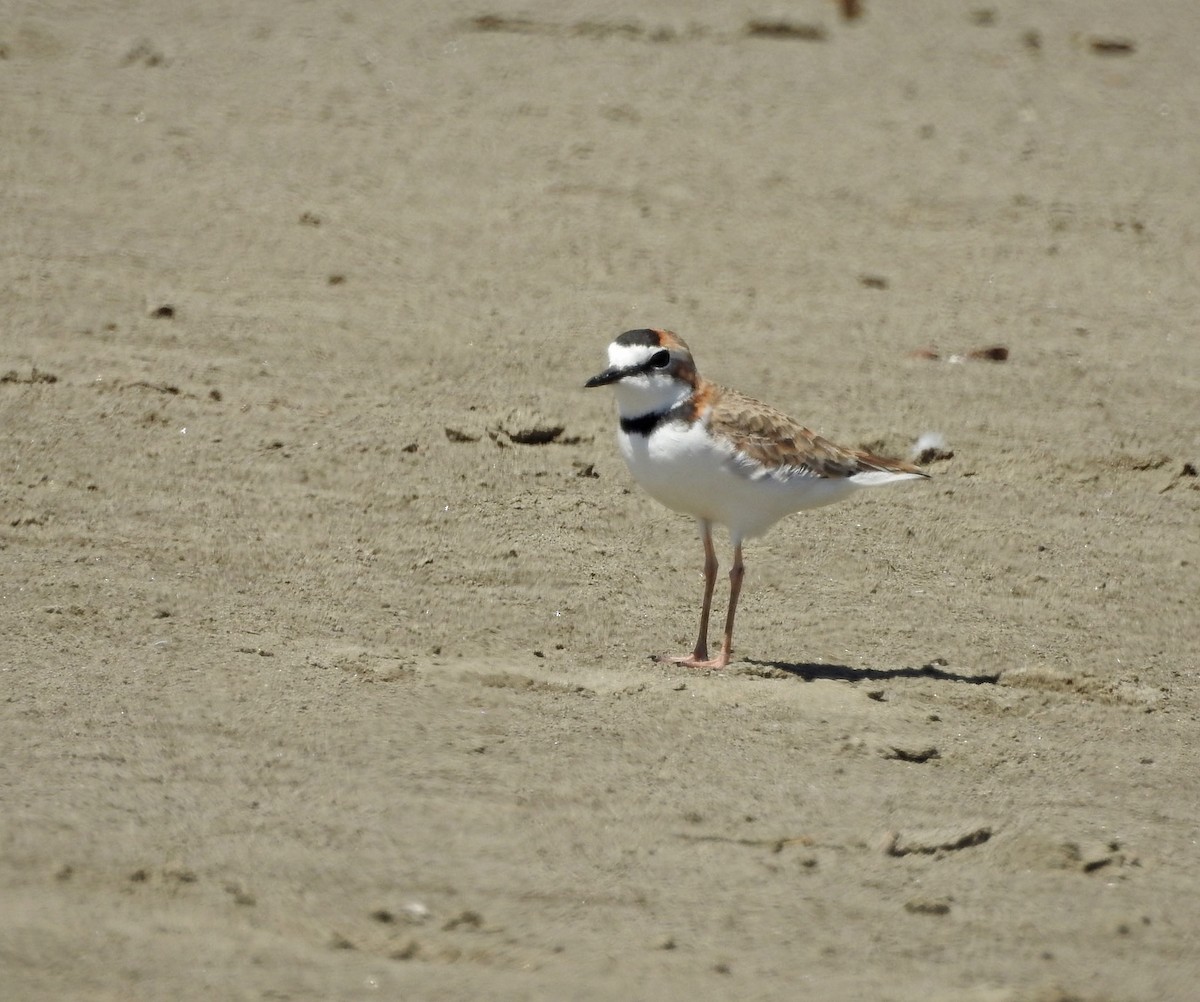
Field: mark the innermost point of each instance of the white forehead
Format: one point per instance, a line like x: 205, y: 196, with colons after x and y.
x: 623, y: 355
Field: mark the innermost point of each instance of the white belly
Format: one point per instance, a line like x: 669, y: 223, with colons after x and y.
x: 684, y: 468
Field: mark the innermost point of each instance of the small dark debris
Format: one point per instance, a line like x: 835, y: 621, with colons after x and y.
x: 166, y: 388
x: 162, y: 613
x: 538, y: 435
x: 1187, y: 470
x: 851, y: 10
x: 215, y: 395
x: 146, y: 53
x: 527, y: 430
x: 164, y: 312
x: 12, y: 376
x: 609, y: 29
x: 1112, y: 46
x: 996, y: 353
x: 410, y: 448
x: 383, y: 915
x: 336, y: 279
x: 911, y: 754
x: 456, y: 435
x: 873, y: 281
x: 1091, y: 857
x: 309, y: 219
x: 932, y: 454
x: 497, y: 22
x: 586, y: 470
x: 785, y: 30
x: 465, y: 919
x: 1032, y: 40
x: 878, y: 695
x: 339, y: 942
x: 927, y: 906
x: 406, y: 952
x: 943, y: 840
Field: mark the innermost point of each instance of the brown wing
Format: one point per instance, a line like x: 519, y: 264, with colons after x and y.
x: 777, y: 443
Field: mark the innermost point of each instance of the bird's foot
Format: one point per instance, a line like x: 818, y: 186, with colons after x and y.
x: 697, y: 659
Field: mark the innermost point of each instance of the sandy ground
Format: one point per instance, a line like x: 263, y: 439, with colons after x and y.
x: 317, y: 681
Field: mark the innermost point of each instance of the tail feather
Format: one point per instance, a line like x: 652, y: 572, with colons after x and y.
x: 877, y: 478
x: 893, y: 469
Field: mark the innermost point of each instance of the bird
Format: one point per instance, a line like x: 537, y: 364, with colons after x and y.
x: 724, y: 458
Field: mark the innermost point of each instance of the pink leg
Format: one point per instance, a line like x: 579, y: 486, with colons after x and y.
x: 699, y: 657
x: 736, y: 573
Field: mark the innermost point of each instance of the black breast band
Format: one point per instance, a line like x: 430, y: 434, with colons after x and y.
x: 645, y: 424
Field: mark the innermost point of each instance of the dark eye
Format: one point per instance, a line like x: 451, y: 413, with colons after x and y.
x: 660, y: 359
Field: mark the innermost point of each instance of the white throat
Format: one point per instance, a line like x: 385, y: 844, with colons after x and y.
x: 650, y: 393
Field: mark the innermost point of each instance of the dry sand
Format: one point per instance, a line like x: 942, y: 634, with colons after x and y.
x: 317, y: 683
